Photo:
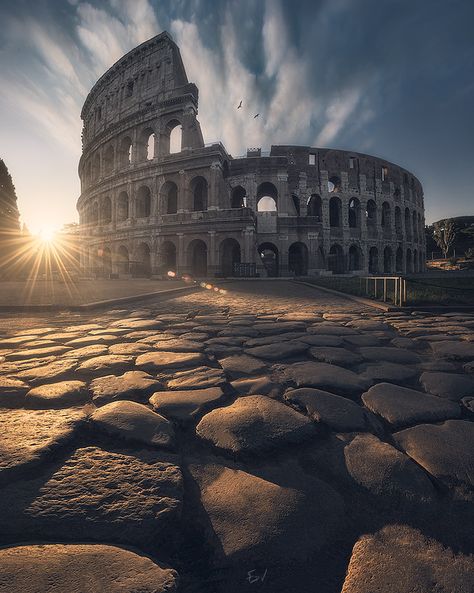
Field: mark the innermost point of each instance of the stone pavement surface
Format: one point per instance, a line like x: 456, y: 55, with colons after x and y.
x: 270, y: 437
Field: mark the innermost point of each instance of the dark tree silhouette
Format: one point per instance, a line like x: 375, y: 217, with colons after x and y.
x: 9, y: 219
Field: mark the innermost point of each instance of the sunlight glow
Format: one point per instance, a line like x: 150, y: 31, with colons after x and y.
x: 46, y: 234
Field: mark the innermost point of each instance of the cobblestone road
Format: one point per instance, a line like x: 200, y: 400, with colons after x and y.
x: 251, y: 437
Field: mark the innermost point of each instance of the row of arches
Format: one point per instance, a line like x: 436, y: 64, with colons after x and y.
x: 101, y: 212
x: 120, y: 155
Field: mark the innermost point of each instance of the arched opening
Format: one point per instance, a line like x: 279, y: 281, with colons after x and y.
x: 398, y: 220
x: 109, y: 160
x: 270, y: 260
x: 371, y: 213
x: 197, y: 257
x: 122, y: 207
x: 387, y: 260
x: 421, y: 265
x: 296, y: 204
x: 96, y: 167
x: 336, y: 259
x: 126, y: 151
x: 334, y: 184
x: 238, y: 198
x: 415, y: 260
x: 298, y: 259
x: 123, y: 260
x: 230, y: 256
x: 106, y: 211
x: 94, y: 214
x: 407, y: 224
x: 415, y: 227
x: 355, y: 258
x: 175, y: 136
x: 399, y: 260
x: 409, y: 262
x: 335, y: 212
x: 143, y: 264
x: 386, y: 216
x: 149, y: 142
x: 143, y: 202
x: 169, y: 198
x: 106, y: 262
x: 199, y: 191
x: 354, y: 213
x: 168, y: 256
x: 373, y: 260
x: 314, y: 207
x: 267, y: 197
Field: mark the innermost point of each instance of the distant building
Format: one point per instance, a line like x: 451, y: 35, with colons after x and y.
x: 156, y: 198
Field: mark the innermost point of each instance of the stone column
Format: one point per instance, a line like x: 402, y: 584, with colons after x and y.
x: 183, y: 193
x: 303, y: 194
x: 181, y: 256
x: 214, y: 186
x: 212, y: 255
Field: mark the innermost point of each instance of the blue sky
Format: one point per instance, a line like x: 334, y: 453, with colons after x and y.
x: 394, y: 78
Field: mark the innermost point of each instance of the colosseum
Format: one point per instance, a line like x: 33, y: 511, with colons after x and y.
x: 156, y: 198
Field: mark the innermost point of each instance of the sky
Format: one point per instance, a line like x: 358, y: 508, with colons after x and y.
x: 392, y: 78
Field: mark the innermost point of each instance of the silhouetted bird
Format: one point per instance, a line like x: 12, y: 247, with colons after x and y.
x: 192, y: 315
x: 240, y: 105
x: 256, y: 115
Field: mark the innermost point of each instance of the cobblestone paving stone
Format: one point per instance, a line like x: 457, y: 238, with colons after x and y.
x: 306, y: 443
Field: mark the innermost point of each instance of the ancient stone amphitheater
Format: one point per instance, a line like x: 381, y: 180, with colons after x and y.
x: 155, y: 197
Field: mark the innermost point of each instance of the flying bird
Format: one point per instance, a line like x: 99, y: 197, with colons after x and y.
x: 255, y: 116
x: 240, y: 105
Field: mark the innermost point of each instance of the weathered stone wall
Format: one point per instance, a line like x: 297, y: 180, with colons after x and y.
x: 149, y: 205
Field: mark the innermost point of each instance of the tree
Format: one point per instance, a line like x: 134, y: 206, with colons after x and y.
x: 444, y: 233
x: 9, y: 218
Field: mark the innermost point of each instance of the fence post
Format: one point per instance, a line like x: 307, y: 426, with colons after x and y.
x: 375, y: 288
x: 405, y: 291
x: 385, y: 290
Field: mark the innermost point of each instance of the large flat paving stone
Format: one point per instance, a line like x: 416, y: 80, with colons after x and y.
x: 241, y: 365
x: 445, y: 450
x: 254, y: 424
x: 397, y: 355
x: 389, y: 372
x: 198, y: 378
x: 400, y: 559
x: 339, y: 356
x: 130, y: 348
x: 334, y: 411
x: 48, y: 373
x: 37, y: 353
x: 322, y: 340
x: 183, y: 406
x: 12, y: 392
x: 328, y: 377
x: 164, y: 360
x: 87, y: 351
x: 132, y: 385
x: 134, y: 422
x: 107, y: 364
x: 454, y: 350
x: 137, y: 324
x: 448, y: 385
x: 257, y: 386
x: 278, y: 517
x: 401, y: 406
x: 98, y: 495
x: 57, y: 395
x: 363, y: 460
x: 56, y: 568
x: 278, y: 350
x: 27, y: 437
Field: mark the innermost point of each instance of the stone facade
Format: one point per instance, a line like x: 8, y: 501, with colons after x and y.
x: 156, y: 198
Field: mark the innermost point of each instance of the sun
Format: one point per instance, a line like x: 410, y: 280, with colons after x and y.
x: 46, y: 234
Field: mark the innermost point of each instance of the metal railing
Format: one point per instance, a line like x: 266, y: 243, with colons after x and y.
x: 386, y: 288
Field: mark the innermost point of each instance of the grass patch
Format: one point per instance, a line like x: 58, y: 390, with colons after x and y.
x: 421, y: 290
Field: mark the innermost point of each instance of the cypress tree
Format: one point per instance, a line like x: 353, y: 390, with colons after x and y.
x: 9, y: 220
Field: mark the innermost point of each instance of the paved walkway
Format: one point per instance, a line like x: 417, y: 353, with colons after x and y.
x: 243, y: 439
x: 78, y: 291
